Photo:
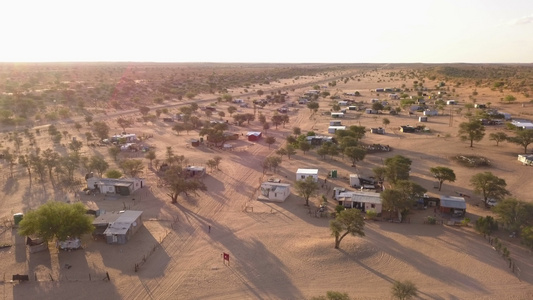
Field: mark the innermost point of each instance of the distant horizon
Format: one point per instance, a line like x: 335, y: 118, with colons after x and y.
x: 265, y: 63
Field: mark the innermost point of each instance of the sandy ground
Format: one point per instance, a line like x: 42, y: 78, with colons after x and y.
x: 279, y: 250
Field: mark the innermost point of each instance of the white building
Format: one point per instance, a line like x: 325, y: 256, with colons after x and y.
x: 302, y: 174
x: 274, y: 191
x: 123, y: 186
x: 332, y: 129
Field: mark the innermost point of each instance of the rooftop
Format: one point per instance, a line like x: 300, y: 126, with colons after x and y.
x: 307, y: 171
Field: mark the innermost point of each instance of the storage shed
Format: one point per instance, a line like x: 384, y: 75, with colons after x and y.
x: 452, y: 204
x: 302, y: 174
x: 254, y: 136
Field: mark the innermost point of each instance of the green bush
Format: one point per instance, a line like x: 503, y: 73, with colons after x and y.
x: 371, y: 214
x: 432, y: 220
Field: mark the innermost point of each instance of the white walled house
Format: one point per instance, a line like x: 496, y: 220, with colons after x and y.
x: 302, y: 174
x: 274, y: 191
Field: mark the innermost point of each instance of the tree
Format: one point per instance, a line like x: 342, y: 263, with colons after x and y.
x: 313, y: 107
x: 144, y: 110
x: 178, y: 181
x: 240, y: 118
x: 178, y: 128
x: 88, y: 119
x: 404, y: 290
x: 509, y: 98
x: 217, y: 160
x: 114, y: 151
x: 75, y: 146
x: 50, y: 160
x: 68, y: 164
x: 395, y: 201
x: 523, y: 138
x: 442, y: 174
x: 513, y: 213
x: 348, y: 221
x: 385, y: 122
x: 231, y: 110
x: 123, y: 123
x: 26, y: 163
x: 397, y: 168
x: 486, y: 225
x: 101, y: 129
x: 306, y: 188
x: 498, y: 137
x: 270, y: 140
x: 56, y: 220
x: 271, y: 163
x: 276, y: 120
x: 113, y: 173
x: 281, y: 152
x: 488, y: 186
x: 99, y: 164
x: 355, y: 154
x: 304, y: 146
x: 150, y: 155
x: 290, y: 150
x: 266, y: 127
x: 296, y: 131
x: 527, y: 236
x: 377, y: 106
x: 471, y: 131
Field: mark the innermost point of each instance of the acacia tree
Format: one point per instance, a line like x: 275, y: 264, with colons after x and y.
x: 513, y: 213
x: 404, y: 290
x: 397, y: 168
x: 270, y: 140
x: 281, y: 152
x: 50, y: 160
x: 150, y: 155
x: 348, y: 221
x: 471, y: 131
x: 99, y: 164
x: 523, y: 138
x: 177, y: 181
x: 498, y: 137
x: 306, y: 188
x: 114, y: 151
x: 123, y: 123
x: 290, y: 150
x: 488, y: 186
x: 56, y: 220
x: 442, y: 174
x: 132, y: 167
x: 355, y: 154
x: 101, y: 129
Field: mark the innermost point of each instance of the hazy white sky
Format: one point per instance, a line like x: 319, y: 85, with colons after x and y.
x: 292, y: 31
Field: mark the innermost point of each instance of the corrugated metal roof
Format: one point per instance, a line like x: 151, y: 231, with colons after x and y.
x: 452, y: 202
x: 307, y: 171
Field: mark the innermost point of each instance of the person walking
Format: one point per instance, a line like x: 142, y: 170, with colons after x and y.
x: 209, y: 229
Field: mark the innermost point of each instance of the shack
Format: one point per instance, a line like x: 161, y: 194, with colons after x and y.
x: 452, y: 205
x: 126, y: 224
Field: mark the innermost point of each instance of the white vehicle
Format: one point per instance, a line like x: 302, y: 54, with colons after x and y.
x: 492, y: 202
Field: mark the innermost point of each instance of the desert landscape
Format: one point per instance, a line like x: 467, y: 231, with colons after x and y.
x: 275, y: 250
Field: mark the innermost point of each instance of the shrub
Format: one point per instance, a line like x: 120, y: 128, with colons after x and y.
x: 432, y: 220
x: 371, y: 214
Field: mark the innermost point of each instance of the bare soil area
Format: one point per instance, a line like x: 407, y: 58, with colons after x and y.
x: 281, y: 250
